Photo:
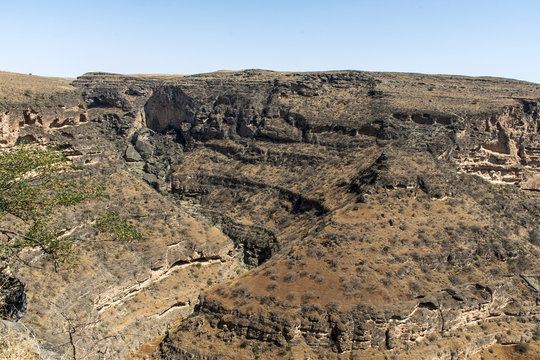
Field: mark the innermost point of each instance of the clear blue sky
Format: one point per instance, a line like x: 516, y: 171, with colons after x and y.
x: 69, y: 38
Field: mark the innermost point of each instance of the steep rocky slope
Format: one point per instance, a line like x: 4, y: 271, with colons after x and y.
x: 380, y: 215
x: 116, y: 295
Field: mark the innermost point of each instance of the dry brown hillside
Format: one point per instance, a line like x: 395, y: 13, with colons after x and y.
x: 328, y: 215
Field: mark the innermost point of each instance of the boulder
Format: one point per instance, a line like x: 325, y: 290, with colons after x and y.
x: 144, y: 146
x: 131, y: 155
x: 12, y: 298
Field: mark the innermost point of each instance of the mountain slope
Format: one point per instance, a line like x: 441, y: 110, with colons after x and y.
x: 379, y: 214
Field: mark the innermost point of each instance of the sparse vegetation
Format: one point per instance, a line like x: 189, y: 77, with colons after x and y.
x: 33, y: 181
x: 17, y: 345
x: 290, y: 277
x: 118, y: 228
x: 409, y: 224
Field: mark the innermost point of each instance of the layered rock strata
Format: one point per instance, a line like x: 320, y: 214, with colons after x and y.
x: 374, y: 211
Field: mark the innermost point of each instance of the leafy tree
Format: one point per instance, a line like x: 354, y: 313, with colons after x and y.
x: 33, y: 181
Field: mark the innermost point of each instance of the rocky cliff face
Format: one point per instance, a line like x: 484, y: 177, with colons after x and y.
x: 378, y: 214
x: 481, y: 125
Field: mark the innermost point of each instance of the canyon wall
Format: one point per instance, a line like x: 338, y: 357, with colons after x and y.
x: 340, y: 212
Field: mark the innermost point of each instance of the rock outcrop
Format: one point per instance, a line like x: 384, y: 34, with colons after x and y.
x: 12, y: 298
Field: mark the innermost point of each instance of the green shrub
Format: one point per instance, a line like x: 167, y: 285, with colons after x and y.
x: 117, y: 227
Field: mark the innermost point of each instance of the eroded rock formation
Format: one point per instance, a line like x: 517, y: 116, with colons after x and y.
x: 376, y: 213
